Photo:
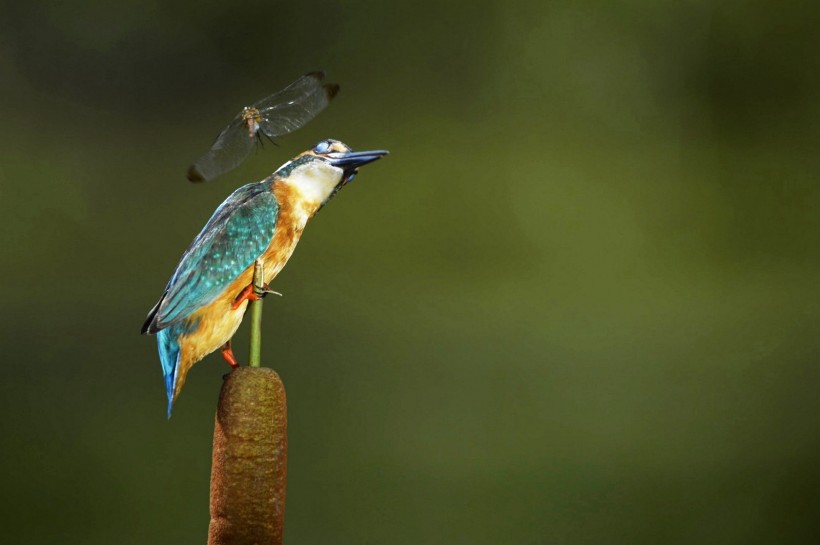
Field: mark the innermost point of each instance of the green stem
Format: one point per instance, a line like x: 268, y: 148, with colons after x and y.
x: 255, y: 356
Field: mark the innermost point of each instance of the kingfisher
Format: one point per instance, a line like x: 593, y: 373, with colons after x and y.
x: 206, y: 298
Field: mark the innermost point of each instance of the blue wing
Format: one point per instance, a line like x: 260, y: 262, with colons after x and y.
x: 238, y: 232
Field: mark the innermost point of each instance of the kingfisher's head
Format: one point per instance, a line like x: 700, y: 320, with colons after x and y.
x: 319, y: 173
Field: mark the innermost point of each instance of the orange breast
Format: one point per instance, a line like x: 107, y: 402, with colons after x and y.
x: 218, y: 321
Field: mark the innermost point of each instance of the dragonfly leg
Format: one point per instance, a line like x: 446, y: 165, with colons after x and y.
x: 271, y: 140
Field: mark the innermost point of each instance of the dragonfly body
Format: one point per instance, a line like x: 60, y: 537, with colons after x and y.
x: 252, y: 120
x: 206, y: 298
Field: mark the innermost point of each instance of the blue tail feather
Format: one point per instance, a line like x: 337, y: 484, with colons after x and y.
x: 168, y: 344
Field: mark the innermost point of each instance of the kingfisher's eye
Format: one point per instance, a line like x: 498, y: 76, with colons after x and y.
x: 323, y: 147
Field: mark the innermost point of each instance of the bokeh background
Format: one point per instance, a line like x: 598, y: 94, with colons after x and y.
x: 578, y: 303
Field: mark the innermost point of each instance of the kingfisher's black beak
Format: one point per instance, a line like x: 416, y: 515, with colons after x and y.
x: 351, y: 160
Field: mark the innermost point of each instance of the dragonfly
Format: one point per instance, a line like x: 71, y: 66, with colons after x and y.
x: 281, y: 113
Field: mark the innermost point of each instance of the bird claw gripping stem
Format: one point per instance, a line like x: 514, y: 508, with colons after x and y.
x: 261, y: 292
x: 252, y: 293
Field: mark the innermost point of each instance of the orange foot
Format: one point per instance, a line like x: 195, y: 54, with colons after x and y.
x: 248, y: 294
x: 227, y: 353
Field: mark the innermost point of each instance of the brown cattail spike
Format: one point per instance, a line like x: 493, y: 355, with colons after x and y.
x: 249, y: 460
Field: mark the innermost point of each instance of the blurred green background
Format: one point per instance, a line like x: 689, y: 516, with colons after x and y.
x: 578, y: 303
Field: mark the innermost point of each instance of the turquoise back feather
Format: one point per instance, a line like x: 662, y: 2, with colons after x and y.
x: 238, y: 232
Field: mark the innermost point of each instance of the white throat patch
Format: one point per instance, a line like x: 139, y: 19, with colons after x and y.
x: 315, y: 181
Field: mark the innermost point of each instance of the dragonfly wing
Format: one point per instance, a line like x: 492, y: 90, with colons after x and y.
x: 295, y: 105
x: 231, y: 147
x: 280, y: 113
